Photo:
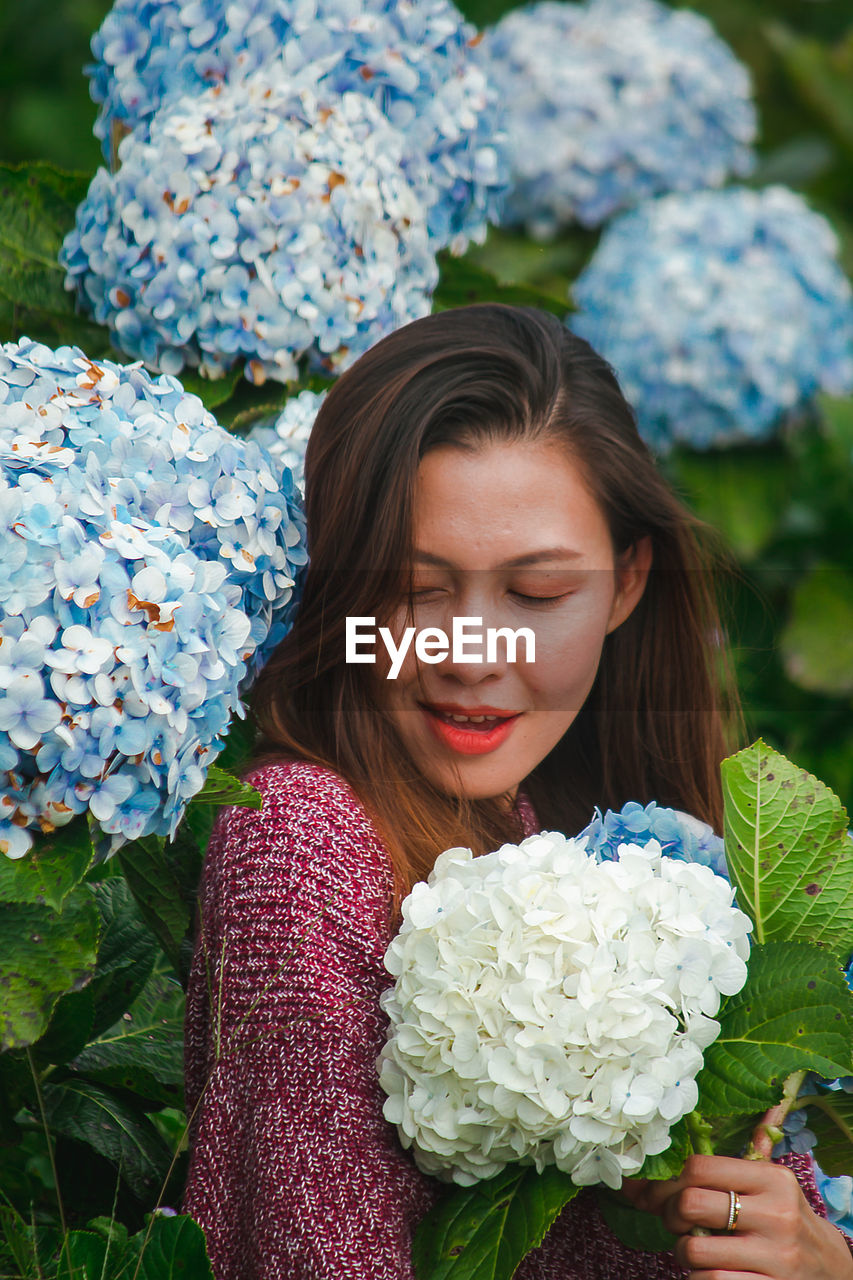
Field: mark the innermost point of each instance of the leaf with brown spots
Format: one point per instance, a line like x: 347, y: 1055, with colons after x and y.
x: 788, y: 851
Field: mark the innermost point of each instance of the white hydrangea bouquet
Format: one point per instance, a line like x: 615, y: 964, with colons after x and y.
x: 568, y: 1013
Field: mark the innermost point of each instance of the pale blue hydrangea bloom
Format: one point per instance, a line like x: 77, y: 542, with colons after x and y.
x: 837, y: 1195
x: 256, y: 223
x: 612, y: 101
x: 722, y: 312
x: 416, y: 59
x: 149, y: 561
x: 286, y: 438
x: 679, y: 834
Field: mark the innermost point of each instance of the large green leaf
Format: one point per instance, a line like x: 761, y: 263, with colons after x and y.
x: 126, y: 955
x: 84, y: 1257
x: 788, y: 851
x: 634, y: 1227
x: 94, y: 1115
x: 831, y: 1120
x: 51, y: 870
x: 171, y: 1248
x: 43, y: 954
x: 69, y: 1029
x: 794, y: 1013
x: 163, y: 878
x: 817, y: 643
x: 143, y: 1051
x: 483, y: 1232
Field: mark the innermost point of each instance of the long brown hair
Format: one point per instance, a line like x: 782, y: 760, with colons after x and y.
x: 653, y: 725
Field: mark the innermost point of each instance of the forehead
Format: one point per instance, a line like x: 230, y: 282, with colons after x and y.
x: 478, y: 509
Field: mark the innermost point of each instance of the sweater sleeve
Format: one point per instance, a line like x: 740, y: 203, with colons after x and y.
x: 294, y: 1172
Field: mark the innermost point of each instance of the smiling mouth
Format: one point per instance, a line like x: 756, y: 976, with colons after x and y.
x: 472, y: 735
x: 483, y: 722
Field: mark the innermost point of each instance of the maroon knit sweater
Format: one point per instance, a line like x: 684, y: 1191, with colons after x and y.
x: 294, y: 1172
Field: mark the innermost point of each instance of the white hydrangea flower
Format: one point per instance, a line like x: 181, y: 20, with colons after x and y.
x: 551, y: 1008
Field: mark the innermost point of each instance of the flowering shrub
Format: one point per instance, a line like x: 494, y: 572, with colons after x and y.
x: 612, y: 101
x: 554, y: 1009
x: 287, y: 437
x: 259, y: 222
x: 416, y: 61
x: 721, y: 312
x: 148, y: 561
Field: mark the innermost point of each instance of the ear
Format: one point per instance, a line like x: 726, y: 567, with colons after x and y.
x: 632, y: 574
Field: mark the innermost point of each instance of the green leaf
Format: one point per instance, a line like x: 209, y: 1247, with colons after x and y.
x: 170, y: 1249
x: 223, y: 788
x: 51, y: 870
x: 831, y: 1121
x: 142, y: 1053
x: 462, y: 282
x: 69, y: 1029
x: 794, y: 1013
x: 37, y: 209
x: 16, y: 1241
x: 211, y: 391
x: 43, y: 954
x: 817, y: 643
x: 788, y: 851
x: 483, y: 1232
x: 126, y: 955
x: 94, y: 1115
x: 163, y: 879
x: 634, y: 1227
x: 38, y: 204
x: 83, y: 1256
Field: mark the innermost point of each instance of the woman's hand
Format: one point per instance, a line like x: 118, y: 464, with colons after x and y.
x: 777, y: 1235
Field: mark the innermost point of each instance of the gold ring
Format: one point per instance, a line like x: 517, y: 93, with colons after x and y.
x: 734, y: 1211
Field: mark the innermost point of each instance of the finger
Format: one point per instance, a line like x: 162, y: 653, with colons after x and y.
x: 722, y: 1255
x: 726, y: 1275
x: 717, y: 1173
x: 698, y: 1207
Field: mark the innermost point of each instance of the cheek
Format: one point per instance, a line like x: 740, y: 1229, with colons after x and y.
x: 568, y: 650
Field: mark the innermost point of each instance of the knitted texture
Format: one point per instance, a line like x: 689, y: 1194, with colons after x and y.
x: 294, y: 1173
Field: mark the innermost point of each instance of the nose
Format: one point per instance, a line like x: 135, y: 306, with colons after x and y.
x: 471, y: 615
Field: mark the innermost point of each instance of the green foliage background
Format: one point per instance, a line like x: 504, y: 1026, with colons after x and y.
x: 110, y: 1098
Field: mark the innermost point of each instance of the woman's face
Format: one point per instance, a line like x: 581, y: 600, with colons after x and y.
x: 509, y: 534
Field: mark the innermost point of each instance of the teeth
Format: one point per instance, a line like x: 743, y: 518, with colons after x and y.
x: 471, y: 719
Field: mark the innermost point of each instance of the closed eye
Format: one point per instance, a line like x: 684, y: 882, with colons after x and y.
x: 541, y: 600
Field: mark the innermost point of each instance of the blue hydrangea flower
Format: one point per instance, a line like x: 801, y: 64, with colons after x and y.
x: 722, y: 312
x: 679, y: 834
x: 416, y: 59
x: 286, y: 438
x: 129, y: 623
x: 837, y: 1195
x: 256, y: 223
x: 612, y: 101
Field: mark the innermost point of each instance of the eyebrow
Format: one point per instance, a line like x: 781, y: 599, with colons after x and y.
x: 529, y: 557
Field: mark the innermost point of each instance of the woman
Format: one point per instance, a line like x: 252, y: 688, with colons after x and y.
x: 479, y: 464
